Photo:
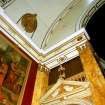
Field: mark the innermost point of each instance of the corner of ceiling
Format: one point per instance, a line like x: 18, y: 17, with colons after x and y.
x: 65, y: 48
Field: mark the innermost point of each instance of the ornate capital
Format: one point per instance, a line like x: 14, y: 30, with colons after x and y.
x: 84, y: 46
x: 43, y: 68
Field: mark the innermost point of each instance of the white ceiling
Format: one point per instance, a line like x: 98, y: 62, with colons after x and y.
x: 48, y: 12
x: 67, y: 25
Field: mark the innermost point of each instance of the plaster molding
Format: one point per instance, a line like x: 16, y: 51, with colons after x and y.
x: 66, y: 47
x: 75, y: 96
x: 56, y: 21
x: 5, y: 4
x: 1, y: 9
x: 88, y: 13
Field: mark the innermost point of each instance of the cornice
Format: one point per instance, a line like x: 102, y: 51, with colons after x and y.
x: 49, y: 57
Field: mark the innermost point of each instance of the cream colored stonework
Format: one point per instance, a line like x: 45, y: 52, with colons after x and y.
x: 93, y: 73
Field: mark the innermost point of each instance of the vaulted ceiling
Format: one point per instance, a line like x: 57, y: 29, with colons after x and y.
x: 57, y: 19
x: 59, y: 25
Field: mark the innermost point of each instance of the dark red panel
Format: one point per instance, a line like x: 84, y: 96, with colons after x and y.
x: 27, y: 98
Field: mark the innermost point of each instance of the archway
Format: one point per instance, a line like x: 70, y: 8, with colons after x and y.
x: 93, y: 20
x: 96, y: 31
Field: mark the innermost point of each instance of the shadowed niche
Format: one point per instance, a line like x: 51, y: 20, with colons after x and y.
x: 72, y: 67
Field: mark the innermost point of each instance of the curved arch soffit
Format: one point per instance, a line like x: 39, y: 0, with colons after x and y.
x: 88, y: 13
x: 56, y: 21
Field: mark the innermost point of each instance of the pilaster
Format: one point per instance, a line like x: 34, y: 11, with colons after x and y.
x: 41, y: 84
x: 93, y: 73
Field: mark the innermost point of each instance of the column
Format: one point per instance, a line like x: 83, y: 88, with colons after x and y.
x: 93, y: 73
x: 41, y: 84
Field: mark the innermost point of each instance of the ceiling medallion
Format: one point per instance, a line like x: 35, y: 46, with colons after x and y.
x: 29, y: 22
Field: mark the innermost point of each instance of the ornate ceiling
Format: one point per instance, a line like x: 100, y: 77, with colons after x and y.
x: 56, y: 19
x: 58, y: 28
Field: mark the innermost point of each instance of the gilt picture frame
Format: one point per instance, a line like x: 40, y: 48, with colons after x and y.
x: 14, y: 70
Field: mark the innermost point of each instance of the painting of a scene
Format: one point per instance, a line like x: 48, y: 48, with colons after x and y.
x: 13, y: 70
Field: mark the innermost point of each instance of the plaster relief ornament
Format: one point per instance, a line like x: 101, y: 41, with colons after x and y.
x: 5, y: 3
x: 68, y: 88
x: 29, y: 22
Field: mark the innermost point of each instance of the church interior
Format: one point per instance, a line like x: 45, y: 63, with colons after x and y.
x: 52, y: 52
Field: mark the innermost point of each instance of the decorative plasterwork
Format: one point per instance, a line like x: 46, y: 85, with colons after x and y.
x: 67, y: 92
x: 49, y: 57
x: 88, y: 13
x: 57, y: 20
x: 5, y: 3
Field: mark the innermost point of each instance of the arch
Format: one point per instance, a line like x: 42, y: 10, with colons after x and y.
x: 88, y: 13
x: 96, y: 31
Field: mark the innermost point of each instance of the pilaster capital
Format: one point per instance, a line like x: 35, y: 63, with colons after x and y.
x: 43, y: 68
x: 84, y: 46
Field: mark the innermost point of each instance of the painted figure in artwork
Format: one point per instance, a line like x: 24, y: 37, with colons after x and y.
x: 19, y: 82
x: 13, y: 69
x: 15, y: 78
x: 3, y: 72
x: 12, y: 76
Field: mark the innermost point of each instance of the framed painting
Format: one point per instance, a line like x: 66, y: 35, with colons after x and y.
x: 14, y: 72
